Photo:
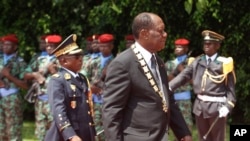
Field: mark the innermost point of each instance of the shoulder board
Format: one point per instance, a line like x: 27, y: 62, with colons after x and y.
x: 227, y: 63
x: 225, y: 59
x: 56, y: 75
x: 190, y: 60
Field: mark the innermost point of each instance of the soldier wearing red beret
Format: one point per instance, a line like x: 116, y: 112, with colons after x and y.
x: 11, y: 82
x: 39, y: 72
x: 98, y: 71
x: 129, y: 40
x: 182, y: 95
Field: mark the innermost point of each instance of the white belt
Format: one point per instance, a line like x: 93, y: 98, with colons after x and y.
x: 211, y: 98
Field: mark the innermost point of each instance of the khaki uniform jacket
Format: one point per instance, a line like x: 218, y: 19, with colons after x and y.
x: 195, y: 71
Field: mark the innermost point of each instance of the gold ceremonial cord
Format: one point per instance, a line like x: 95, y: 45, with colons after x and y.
x: 150, y: 77
x: 90, y: 98
x: 215, y: 79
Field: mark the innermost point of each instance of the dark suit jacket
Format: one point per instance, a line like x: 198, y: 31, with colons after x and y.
x: 73, y: 121
x: 132, y: 111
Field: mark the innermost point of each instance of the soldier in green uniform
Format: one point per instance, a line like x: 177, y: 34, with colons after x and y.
x: 105, y: 42
x: 40, y: 71
x: 182, y: 95
x: 11, y: 112
x: 91, y: 57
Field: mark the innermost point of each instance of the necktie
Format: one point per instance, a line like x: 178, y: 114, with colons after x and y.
x: 154, y: 69
x: 79, y: 79
x: 208, y: 61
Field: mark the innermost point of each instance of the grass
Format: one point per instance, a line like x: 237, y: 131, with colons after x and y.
x: 29, y: 132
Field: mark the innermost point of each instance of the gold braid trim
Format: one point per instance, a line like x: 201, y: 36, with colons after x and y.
x: 90, y: 98
x: 65, y: 126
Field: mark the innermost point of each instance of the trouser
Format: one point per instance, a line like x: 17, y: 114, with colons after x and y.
x: 165, y: 137
x: 185, y: 107
x: 43, y: 118
x: 98, y: 121
x: 218, y: 131
x: 11, y: 118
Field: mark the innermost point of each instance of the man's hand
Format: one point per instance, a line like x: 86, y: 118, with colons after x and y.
x: 52, y: 68
x: 96, y: 90
x: 75, y: 138
x: 223, y: 111
x: 5, y: 72
x: 39, y: 77
x: 187, y: 138
x: 2, y: 84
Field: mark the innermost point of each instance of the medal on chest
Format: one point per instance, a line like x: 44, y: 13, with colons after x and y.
x: 73, y: 103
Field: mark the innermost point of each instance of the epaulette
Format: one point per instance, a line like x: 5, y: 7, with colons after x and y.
x: 56, y: 75
x: 228, y: 65
x: 190, y: 60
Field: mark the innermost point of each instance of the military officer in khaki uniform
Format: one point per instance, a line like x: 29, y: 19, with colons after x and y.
x: 69, y: 97
x: 214, y: 85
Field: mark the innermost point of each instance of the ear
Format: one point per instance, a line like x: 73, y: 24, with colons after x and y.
x: 218, y: 46
x: 144, y: 33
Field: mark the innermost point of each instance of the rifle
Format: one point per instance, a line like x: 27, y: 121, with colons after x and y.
x: 183, y: 64
x: 33, y: 92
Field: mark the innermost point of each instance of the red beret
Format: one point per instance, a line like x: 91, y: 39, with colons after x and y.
x: 105, y: 38
x: 11, y: 38
x: 53, y: 39
x: 129, y: 37
x: 95, y: 37
x: 43, y: 37
x: 181, y: 41
x: 90, y: 38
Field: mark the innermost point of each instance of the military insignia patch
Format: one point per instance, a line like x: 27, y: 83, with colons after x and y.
x: 55, y: 75
x: 73, y: 87
x: 67, y: 76
x: 73, y: 104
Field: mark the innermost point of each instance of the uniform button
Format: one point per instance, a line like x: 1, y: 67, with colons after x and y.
x: 87, y: 101
x: 60, y: 118
x: 89, y: 112
x: 90, y: 123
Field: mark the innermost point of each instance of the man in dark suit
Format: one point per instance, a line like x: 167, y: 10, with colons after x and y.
x: 214, y: 86
x: 138, y: 106
x: 69, y: 96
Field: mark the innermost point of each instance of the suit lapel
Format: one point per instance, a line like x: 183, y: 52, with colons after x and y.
x: 163, y: 76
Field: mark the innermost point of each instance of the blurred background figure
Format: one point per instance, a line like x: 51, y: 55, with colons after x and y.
x: 39, y: 72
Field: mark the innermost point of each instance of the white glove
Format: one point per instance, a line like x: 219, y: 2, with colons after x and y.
x: 223, y: 111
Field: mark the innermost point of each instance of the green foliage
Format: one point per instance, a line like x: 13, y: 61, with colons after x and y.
x: 187, y: 19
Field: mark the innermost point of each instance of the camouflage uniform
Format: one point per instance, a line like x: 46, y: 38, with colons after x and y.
x: 93, y: 71
x: 11, y: 112
x: 42, y: 109
x: 184, y: 104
